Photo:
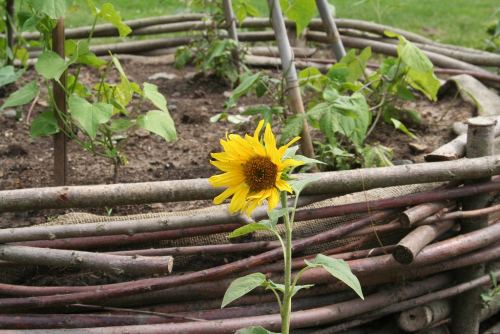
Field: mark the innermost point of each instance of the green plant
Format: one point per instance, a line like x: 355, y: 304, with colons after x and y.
x: 212, y: 53
x: 489, y: 297
x: 93, y: 125
x: 109, y: 211
x: 493, y: 29
x: 379, y: 11
x: 256, y: 170
x: 338, y: 103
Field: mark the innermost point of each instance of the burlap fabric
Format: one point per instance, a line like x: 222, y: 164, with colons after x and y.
x: 301, y: 229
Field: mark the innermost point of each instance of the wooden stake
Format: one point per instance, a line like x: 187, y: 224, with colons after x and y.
x: 231, y: 29
x: 60, y: 140
x: 331, y: 29
x: 467, y: 306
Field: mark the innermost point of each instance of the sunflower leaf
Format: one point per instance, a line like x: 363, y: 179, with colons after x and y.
x: 263, y: 225
x: 307, y: 160
x: 275, y: 214
x: 241, y: 286
x: 301, y: 184
x: 281, y: 287
x: 339, y: 269
x: 253, y: 330
x: 290, y: 152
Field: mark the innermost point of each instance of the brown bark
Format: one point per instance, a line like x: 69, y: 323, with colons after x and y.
x: 453, y: 150
x: 420, y: 317
x: 462, y: 214
x: 117, y: 240
x: 104, y: 262
x: 408, y: 248
x: 46, y: 321
x: 420, y: 212
x: 313, y: 317
x: 467, y: 306
x: 109, y: 30
x: 272, y: 51
x: 168, y: 191
x: 260, y: 61
x: 129, y: 227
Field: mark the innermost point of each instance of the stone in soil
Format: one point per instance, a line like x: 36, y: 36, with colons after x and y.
x: 417, y: 148
x: 162, y: 76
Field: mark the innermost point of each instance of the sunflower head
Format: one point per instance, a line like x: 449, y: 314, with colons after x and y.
x: 253, y: 170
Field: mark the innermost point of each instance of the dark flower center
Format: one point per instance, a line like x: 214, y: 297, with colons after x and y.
x: 260, y: 173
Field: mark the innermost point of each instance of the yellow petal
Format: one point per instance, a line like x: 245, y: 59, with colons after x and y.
x: 257, y: 131
x: 283, y: 149
x: 291, y: 162
x: 227, y: 166
x: 252, y: 206
x: 283, y: 186
x: 256, y: 145
x: 270, y: 141
x: 226, y: 179
x: 239, y: 199
x: 228, y: 192
x: 222, y: 156
x: 273, y: 199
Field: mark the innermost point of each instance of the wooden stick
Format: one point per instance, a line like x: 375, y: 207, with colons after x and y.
x: 408, y: 248
x: 128, y: 227
x: 420, y: 212
x: 467, y: 309
x: 104, y: 262
x: 313, y: 317
x: 170, y: 191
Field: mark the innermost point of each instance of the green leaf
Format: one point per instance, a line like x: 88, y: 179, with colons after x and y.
x: 263, y: 225
x: 44, y: 124
x: 9, y: 75
x: 293, y: 127
x: 240, y: 14
x: 281, y: 287
x: 338, y: 74
x: 330, y: 94
x: 22, y: 96
x: 406, y: 94
x: 377, y: 154
x: 266, y: 112
x: 415, y: 58
x: 290, y: 152
x: 90, y: 59
x: 119, y: 125
x: 80, y: 89
x: 158, y: 122
x: 400, y: 126
x: 299, y: 11
x: 339, y: 269
x: 55, y: 9
x: 299, y: 185
x: 182, y: 59
x: 109, y: 13
x: 218, y: 117
x: 118, y: 105
x: 245, y: 85
x: 89, y: 115
x: 151, y: 93
x: 242, y: 286
x: 275, y: 214
x: 356, y: 65
x: 253, y: 330
x: 406, y: 116
x: 261, y: 87
x: 50, y: 65
x: 426, y: 82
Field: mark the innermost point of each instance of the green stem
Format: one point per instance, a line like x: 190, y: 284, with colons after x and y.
x: 287, y: 297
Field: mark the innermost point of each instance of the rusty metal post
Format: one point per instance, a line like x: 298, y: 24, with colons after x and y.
x: 467, y: 306
x: 60, y: 140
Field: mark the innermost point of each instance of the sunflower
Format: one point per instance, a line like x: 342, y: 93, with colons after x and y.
x: 253, y: 171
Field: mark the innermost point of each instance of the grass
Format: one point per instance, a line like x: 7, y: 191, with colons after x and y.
x: 460, y: 22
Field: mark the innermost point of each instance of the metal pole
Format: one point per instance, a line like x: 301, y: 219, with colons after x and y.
x: 467, y: 306
x: 10, y: 10
x: 331, y: 29
x: 292, y: 83
x: 60, y: 140
x: 231, y: 29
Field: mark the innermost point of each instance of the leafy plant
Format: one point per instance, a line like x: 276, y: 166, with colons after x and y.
x: 337, y: 268
x: 489, y: 297
x: 338, y: 103
x: 379, y: 11
x: 103, y: 125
